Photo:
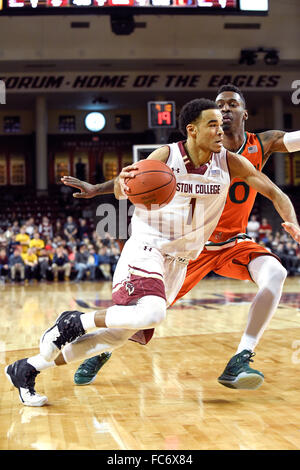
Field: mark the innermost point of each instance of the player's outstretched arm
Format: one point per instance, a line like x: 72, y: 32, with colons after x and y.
x: 88, y: 190
x: 242, y: 168
x: 279, y: 141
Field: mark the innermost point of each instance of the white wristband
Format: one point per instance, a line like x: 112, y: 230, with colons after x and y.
x: 292, y: 141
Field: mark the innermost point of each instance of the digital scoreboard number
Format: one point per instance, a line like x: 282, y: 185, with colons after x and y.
x: 161, y: 114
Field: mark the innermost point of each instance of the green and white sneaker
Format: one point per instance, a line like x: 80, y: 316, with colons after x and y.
x: 88, y: 370
x: 238, y: 374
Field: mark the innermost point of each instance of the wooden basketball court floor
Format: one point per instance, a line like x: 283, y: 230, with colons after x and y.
x: 163, y: 396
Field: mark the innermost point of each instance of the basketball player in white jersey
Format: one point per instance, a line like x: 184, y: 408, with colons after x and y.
x: 153, y: 263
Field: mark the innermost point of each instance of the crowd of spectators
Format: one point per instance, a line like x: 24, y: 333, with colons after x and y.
x: 63, y: 250
x: 72, y: 250
x: 278, y: 242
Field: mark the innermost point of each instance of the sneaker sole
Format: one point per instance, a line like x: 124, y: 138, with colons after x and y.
x: 244, y: 381
x: 94, y: 378
x: 85, y: 383
x: 41, y: 402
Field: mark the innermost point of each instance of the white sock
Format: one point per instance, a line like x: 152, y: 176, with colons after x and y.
x: 88, y: 320
x: 104, y: 339
x: 247, y: 342
x: 39, y: 363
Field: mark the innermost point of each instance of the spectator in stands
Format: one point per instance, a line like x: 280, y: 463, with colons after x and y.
x: 15, y: 227
x: 269, y: 242
x: 31, y: 264
x: 3, y: 239
x: 30, y: 227
x: 114, y: 258
x: 290, y: 256
x: 83, y: 230
x: 58, y: 229
x: 94, y: 237
x: 285, y: 258
x: 56, y: 241
x: 23, y: 239
x: 253, y: 227
x: 44, y: 263
x: 37, y: 243
x: 49, y: 248
x: 13, y: 244
x: 61, y: 263
x: 45, y: 228
x: 16, y: 265
x: 71, y: 244
x: 81, y: 262
x: 275, y: 241
x: 70, y: 228
x: 3, y: 263
x: 265, y: 229
x: 107, y: 240
x: 9, y: 233
x: 72, y: 256
x: 93, y: 261
x: 297, y: 265
x: 104, y: 263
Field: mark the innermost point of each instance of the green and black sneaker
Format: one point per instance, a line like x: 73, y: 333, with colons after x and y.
x: 88, y: 370
x: 238, y: 374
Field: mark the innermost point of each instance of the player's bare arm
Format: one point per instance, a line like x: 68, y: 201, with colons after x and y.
x: 241, y: 168
x: 161, y: 154
x: 88, y: 190
x: 279, y: 141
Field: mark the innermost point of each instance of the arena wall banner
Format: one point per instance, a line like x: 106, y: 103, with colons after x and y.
x: 141, y: 81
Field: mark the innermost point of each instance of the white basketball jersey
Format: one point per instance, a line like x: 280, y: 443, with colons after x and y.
x: 182, y: 227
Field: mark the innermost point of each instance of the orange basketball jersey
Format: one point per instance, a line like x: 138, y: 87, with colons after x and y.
x: 240, y: 197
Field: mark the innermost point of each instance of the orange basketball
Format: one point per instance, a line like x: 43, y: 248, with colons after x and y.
x: 153, y: 186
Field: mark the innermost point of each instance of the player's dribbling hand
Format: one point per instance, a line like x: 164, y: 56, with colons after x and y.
x: 126, y: 172
x: 293, y: 230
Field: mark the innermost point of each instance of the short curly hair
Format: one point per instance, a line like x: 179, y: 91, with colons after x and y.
x: 234, y: 89
x: 192, y: 111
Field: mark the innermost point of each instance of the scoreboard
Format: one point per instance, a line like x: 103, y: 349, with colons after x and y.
x: 161, y: 114
x: 137, y: 6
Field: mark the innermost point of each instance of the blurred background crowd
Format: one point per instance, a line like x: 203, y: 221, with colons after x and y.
x: 59, y: 250
x: 277, y: 241
x: 69, y: 249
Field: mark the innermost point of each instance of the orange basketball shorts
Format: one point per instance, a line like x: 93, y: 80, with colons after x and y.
x: 229, y: 262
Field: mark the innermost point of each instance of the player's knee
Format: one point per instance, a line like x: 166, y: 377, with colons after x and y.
x: 153, y: 311
x: 157, y: 317
x: 279, y: 274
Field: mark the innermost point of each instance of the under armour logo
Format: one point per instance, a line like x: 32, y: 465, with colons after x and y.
x: 147, y: 248
x: 177, y: 170
x: 68, y: 320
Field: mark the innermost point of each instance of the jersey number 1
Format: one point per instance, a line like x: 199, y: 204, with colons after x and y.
x: 191, y: 211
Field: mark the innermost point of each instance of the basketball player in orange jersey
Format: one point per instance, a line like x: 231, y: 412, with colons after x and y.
x: 153, y: 263
x: 229, y: 252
